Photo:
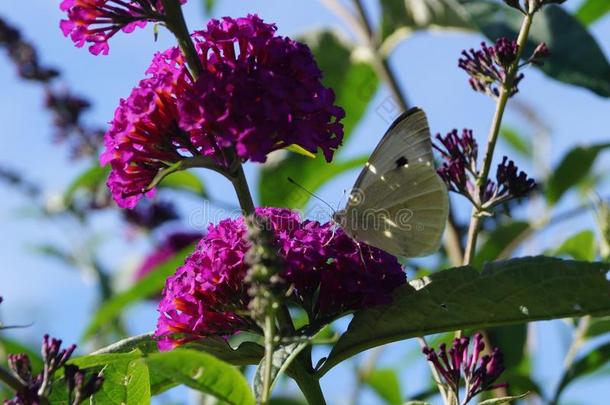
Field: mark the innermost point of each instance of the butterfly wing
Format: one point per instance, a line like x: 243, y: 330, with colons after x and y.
x: 406, y: 141
x: 403, y: 211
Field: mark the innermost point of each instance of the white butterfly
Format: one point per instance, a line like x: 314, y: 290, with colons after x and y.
x: 399, y: 203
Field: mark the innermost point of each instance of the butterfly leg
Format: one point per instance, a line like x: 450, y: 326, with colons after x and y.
x: 361, y: 254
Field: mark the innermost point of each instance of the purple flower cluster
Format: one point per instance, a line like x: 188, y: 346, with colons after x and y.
x: 165, y: 250
x: 151, y: 215
x: 459, y: 171
x: 24, y: 55
x: 479, y: 372
x: 525, y: 7
x: 326, y: 272
x: 510, y: 183
x: 36, y: 388
x: 488, y: 66
x: 96, y: 21
x: 258, y: 92
x: 67, y: 110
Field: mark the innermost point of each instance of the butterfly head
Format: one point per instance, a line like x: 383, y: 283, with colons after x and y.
x: 340, y: 218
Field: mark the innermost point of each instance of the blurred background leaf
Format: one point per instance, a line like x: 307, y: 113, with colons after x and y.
x: 592, y: 10
x: 581, y: 246
x: 573, y: 168
x: 385, y: 383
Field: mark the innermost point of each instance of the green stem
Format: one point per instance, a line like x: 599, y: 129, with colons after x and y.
x: 243, y: 191
x: 268, y: 360
x: 174, y: 19
x: 505, y: 90
x: 308, y: 383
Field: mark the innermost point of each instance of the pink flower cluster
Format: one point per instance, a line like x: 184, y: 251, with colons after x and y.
x: 165, y: 250
x: 96, y: 21
x: 257, y: 93
x: 328, y: 273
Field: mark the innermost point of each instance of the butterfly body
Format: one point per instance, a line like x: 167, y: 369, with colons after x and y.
x: 399, y: 203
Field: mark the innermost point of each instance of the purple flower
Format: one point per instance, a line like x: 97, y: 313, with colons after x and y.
x: 79, y: 386
x: 96, y: 21
x: 165, y: 250
x: 459, y: 171
x: 21, y: 366
x: 488, y: 67
x: 144, y: 136
x: 541, y: 52
x: 260, y: 92
x: 37, y: 388
x: 459, y: 167
x: 53, y: 356
x: 24, y: 55
x: 511, y: 183
x: 328, y: 274
x: 479, y: 372
x: 151, y: 215
x: 265, y: 97
x: 67, y: 110
x: 514, y: 4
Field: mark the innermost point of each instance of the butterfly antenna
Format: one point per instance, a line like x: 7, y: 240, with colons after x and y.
x: 340, y: 201
x: 291, y: 180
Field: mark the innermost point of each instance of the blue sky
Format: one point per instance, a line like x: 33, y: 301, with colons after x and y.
x: 58, y: 300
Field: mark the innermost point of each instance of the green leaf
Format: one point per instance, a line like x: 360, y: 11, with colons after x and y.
x: 500, y: 242
x: 208, y: 6
x: 246, y: 354
x: 386, y: 384
x: 97, y: 360
x: 505, y: 292
x: 573, y: 168
x: 185, y: 181
x: 581, y: 246
x: 300, y: 151
x: 592, y: 10
x: 125, y: 383
x: 90, y: 180
x: 591, y: 362
x: 138, y: 387
x: 399, y: 17
x: 148, y: 286
x: 354, y: 83
x: 282, y: 358
x: 145, y: 343
x: 202, y: 372
x: 503, y: 400
x: 518, y: 143
x: 576, y: 58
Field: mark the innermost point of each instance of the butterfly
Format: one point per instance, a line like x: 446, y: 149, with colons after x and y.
x: 399, y: 203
